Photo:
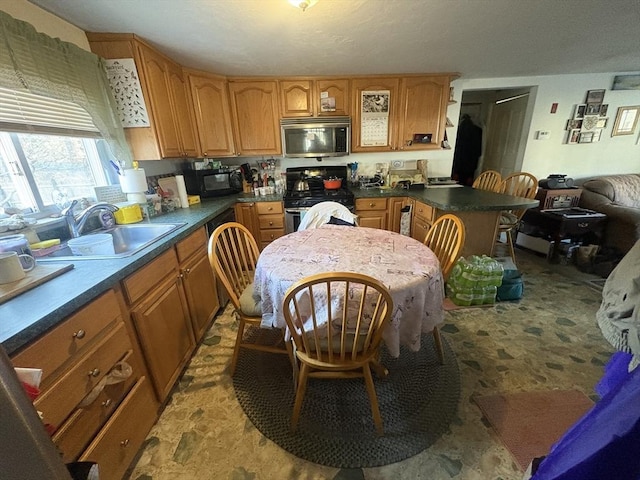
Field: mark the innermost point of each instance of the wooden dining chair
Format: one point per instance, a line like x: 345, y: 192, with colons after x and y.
x: 519, y: 184
x: 488, y: 180
x: 336, y: 320
x: 445, y: 239
x: 233, y: 254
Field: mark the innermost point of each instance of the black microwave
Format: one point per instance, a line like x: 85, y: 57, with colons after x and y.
x: 212, y: 182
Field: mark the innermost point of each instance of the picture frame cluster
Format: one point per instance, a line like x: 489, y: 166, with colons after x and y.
x: 589, y: 119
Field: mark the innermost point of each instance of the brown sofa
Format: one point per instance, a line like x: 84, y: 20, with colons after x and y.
x: 617, y: 196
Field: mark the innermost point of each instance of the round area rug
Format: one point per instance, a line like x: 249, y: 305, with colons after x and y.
x: 418, y: 400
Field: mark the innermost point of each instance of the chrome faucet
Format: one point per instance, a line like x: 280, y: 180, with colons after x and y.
x: 76, y: 222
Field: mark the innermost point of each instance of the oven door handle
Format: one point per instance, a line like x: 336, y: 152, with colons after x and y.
x: 295, y: 210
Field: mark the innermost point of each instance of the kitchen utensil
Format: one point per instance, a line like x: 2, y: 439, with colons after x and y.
x: 301, y: 185
x: 332, y: 183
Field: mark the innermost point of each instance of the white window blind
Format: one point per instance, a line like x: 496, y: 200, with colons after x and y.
x: 21, y: 111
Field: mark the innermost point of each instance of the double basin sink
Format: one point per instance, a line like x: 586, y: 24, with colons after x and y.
x: 127, y: 240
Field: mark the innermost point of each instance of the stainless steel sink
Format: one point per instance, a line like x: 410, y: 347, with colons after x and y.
x: 127, y: 240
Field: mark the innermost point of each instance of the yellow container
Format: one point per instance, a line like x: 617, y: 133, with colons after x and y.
x: 128, y: 213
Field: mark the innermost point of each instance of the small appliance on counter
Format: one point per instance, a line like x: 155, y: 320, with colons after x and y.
x: 213, y: 182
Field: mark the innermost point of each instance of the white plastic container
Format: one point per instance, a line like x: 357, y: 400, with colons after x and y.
x: 96, y: 244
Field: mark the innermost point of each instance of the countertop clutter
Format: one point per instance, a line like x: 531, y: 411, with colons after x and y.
x: 32, y: 313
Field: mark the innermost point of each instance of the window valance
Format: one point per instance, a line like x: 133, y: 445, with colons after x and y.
x: 49, y: 67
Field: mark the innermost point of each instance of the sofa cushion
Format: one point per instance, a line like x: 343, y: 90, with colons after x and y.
x: 620, y: 189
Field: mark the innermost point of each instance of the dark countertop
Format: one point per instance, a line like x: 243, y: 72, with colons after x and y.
x: 454, y: 199
x: 32, y: 313
x: 26, y: 316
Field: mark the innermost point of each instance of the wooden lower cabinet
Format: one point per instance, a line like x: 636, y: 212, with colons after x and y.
x: 117, y: 444
x: 372, y: 212
x: 422, y: 219
x: 76, y: 356
x: 395, y: 206
x: 265, y: 220
x: 166, y: 336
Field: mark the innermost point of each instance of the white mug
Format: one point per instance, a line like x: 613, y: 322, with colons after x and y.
x: 11, y: 269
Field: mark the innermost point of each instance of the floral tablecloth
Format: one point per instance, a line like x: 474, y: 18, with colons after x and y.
x: 407, y: 267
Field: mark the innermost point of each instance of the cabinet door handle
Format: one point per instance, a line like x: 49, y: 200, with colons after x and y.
x: 124, y: 442
x: 107, y: 403
x: 94, y: 373
x: 79, y: 334
x: 187, y: 271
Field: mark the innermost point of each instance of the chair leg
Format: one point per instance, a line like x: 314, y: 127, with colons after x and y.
x: 236, y: 348
x: 371, y: 390
x: 438, y: 343
x: 511, y: 249
x: 302, y: 388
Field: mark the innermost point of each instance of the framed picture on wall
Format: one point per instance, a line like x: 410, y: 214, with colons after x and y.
x: 585, y: 137
x: 626, y: 121
x: 602, y: 122
x: 593, y: 109
x: 574, y: 135
x: 595, y: 96
x: 579, y: 113
x: 603, y: 109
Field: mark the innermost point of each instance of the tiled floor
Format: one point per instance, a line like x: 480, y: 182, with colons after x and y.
x: 547, y: 340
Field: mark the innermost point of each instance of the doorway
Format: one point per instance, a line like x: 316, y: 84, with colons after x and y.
x: 504, y: 116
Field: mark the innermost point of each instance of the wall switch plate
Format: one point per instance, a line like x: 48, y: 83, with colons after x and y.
x: 543, y: 135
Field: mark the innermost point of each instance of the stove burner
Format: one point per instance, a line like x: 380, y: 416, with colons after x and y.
x: 316, y: 193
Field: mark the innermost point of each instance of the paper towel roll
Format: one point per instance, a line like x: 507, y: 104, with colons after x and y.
x: 182, y: 191
x: 133, y: 181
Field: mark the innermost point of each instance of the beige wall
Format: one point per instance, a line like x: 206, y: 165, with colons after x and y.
x: 45, y: 22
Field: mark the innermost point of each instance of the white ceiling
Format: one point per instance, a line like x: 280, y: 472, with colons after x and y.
x: 477, y: 38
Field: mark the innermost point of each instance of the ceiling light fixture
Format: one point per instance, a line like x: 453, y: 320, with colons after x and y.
x: 303, y: 4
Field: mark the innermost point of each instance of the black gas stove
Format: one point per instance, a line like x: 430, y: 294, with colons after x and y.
x: 315, y: 176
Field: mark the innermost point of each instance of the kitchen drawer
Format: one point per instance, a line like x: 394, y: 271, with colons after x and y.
x: 142, y: 281
x: 424, y: 211
x: 76, y: 433
x: 419, y: 229
x: 116, y: 445
x: 271, y: 221
x: 266, y: 208
x: 268, y: 236
x: 196, y: 242
x: 58, y: 401
x: 70, y: 338
x: 371, y: 204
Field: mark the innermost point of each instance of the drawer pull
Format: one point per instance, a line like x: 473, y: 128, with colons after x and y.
x: 79, y: 334
x: 107, y: 403
x: 269, y: 208
x: 583, y: 224
x: 95, y: 372
x: 124, y: 442
x: 372, y: 204
x: 270, y: 224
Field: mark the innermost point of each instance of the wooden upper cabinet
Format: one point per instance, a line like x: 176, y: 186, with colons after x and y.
x: 210, y: 98
x: 170, y: 133
x: 417, y: 106
x: 338, y: 89
x: 422, y: 110
x: 182, y: 110
x: 296, y: 98
x: 374, y: 135
x: 304, y: 97
x: 256, y: 117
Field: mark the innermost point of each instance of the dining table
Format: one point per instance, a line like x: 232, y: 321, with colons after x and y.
x: 407, y: 267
